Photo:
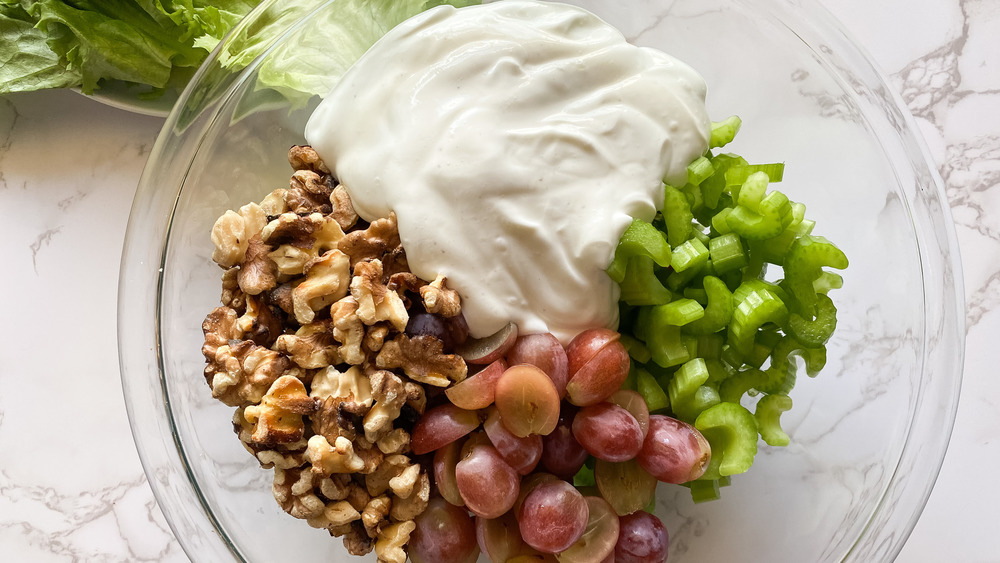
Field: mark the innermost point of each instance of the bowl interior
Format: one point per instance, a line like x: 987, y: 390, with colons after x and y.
x: 806, y: 98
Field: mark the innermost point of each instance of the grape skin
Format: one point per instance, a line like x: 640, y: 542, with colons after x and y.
x: 642, y: 539
x: 487, y: 484
x: 444, y: 533
x: 553, y: 516
x: 608, y: 432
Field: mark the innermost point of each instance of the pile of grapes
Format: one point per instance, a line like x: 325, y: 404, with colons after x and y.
x: 510, y: 441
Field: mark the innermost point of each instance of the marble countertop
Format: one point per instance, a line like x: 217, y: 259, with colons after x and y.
x: 71, y: 486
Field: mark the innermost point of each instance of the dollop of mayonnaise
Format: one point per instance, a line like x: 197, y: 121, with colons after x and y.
x: 515, y: 142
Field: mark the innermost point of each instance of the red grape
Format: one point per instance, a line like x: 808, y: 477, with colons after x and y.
x: 528, y: 484
x: 444, y: 533
x: 625, y: 485
x: 633, y: 402
x: 545, y: 352
x: 599, y: 538
x: 521, y: 453
x: 478, y: 390
x: 445, y: 460
x: 562, y: 455
x: 608, y: 432
x: 440, y: 426
x: 641, y: 539
x: 553, y: 516
x: 499, y: 538
x: 527, y: 400
x: 487, y: 484
x: 674, y: 451
x: 598, y: 365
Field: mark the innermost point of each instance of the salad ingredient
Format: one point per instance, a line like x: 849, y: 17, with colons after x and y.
x: 641, y: 539
x: 632, y: 402
x: 625, y: 485
x: 527, y: 401
x: 487, y: 484
x: 441, y: 426
x: 477, y: 391
x: 488, y: 166
x: 444, y: 533
x: 598, y: 365
x: 499, y: 538
x: 544, y: 352
x: 674, y: 451
x: 599, y: 538
x: 489, y: 348
x: 522, y: 453
x: 608, y: 432
x: 553, y: 516
x: 445, y: 461
x: 562, y: 454
x: 338, y: 436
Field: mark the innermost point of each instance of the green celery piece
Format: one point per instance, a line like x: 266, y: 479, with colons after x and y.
x: 731, y: 431
x: 686, y: 380
x: 723, y: 132
x: 720, y: 221
x: 827, y: 281
x: 718, y: 312
x: 681, y: 311
x: 704, y: 490
x: 815, y: 332
x: 635, y: 348
x: 698, y: 295
x: 713, y: 187
x: 768, y: 413
x: 651, y: 391
x: 663, y: 339
x: 699, y: 170
x: 676, y: 215
x: 759, y: 215
x: 691, y: 254
x: 736, y: 175
x: 804, y: 265
x: 751, y: 313
x: 710, y: 346
x: 718, y: 371
x: 584, y: 477
x: 726, y: 252
x: 639, y: 239
x: 640, y: 285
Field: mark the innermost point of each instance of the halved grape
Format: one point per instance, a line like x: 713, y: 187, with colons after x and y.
x: 562, y: 454
x: 626, y: 486
x: 599, y: 538
x: 440, y: 426
x: 445, y: 460
x: 444, y: 533
x: 527, y: 400
x: 521, y: 453
x: 674, y: 451
x: 545, y: 352
x: 553, y: 516
x: 499, y: 538
x: 478, y: 390
x: 487, y: 484
x: 633, y: 402
x: 608, y: 432
x: 641, y: 539
x: 490, y: 348
x: 450, y: 333
x: 598, y: 365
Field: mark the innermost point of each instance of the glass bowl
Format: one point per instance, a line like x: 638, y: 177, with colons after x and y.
x: 868, y: 435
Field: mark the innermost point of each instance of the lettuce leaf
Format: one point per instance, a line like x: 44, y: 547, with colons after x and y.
x: 32, y: 65
x: 331, y: 42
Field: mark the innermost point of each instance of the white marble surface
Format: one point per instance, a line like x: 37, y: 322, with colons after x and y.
x: 71, y: 487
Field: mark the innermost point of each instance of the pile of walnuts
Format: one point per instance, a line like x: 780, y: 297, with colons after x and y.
x: 310, y: 345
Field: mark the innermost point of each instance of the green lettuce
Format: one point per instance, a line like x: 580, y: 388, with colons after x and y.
x: 160, y: 43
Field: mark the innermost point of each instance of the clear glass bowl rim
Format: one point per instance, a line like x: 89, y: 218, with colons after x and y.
x: 172, y: 483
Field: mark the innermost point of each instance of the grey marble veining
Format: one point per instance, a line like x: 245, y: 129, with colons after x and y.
x: 71, y: 486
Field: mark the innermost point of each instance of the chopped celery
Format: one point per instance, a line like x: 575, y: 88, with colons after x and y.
x: 703, y: 327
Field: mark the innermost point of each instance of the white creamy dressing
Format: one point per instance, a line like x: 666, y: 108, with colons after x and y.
x: 515, y: 142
